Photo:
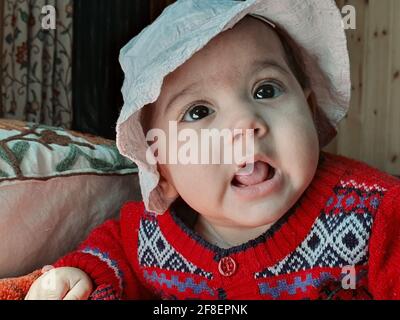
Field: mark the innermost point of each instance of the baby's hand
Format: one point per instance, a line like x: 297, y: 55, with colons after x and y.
x: 61, y: 284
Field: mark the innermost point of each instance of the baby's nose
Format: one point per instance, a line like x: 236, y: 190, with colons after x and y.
x: 249, y: 124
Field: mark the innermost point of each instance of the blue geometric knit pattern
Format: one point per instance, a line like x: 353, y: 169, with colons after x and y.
x: 155, y: 251
x: 351, y: 197
x: 298, y: 284
x: 340, y: 234
x: 282, y: 286
x: 112, y: 264
x: 174, y: 282
x: 104, y: 292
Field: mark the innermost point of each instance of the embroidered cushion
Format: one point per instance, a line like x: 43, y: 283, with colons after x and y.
x: 55, y: 186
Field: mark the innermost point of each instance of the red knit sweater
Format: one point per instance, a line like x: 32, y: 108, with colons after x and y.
x: 348, y: 216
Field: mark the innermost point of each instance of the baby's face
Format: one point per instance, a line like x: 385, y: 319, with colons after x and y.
x: 241, y: 80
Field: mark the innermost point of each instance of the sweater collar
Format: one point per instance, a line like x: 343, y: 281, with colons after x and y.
x: 274, y: 244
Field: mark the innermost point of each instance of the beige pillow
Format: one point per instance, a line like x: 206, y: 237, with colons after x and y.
x: 55, y: 186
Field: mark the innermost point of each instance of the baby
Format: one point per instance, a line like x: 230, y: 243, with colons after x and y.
x: 302, y: 224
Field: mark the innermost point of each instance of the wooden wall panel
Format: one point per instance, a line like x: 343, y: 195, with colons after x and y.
x: 393, y: 153
x: 371, y: 131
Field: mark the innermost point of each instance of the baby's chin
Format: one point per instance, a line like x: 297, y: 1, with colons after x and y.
x: 257, y: 216
x: 266, y: 210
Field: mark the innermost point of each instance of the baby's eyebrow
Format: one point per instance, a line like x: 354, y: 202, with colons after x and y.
x: 259, y: 65
x: 256, y: 66
x: 187, y: 90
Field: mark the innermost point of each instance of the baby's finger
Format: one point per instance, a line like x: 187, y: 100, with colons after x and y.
x: 80, y: 291
x: 52, y: 289
x: 47, y: 268
x: 47, y: 288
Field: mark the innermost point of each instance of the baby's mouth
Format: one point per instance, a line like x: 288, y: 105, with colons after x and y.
x: 253, y: 173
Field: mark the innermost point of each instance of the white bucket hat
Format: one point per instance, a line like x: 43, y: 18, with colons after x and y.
x: 187, y: 26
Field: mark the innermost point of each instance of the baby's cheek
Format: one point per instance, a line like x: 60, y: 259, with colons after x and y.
x: 192, y: 178
x: 189, y: 187
x: 300, y: 134
x: 298, y: 151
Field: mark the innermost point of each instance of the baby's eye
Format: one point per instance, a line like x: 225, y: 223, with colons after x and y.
x: 268, y: 91
x: 196, y: 113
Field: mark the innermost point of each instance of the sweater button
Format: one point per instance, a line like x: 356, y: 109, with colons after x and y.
x: 227, y: 266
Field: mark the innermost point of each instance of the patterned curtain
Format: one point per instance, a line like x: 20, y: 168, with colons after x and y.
x: 1, y: 50
x: 36, y: 62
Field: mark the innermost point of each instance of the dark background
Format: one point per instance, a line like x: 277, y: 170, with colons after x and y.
x: 101, y: 29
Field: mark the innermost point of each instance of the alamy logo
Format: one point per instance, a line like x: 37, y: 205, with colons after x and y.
x: 49, y: 18
x: 209, y: 146
x: 348, y: 21
x: 349, y: 17
x: 349, y: 278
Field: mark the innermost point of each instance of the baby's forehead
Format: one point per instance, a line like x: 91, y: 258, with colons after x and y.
x: 228, y: 56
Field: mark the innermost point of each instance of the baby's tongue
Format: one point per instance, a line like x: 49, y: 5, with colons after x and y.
x: 259, y: 174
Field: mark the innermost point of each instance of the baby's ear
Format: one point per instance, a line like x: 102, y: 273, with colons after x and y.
x: 307, y: 93
x: 311, y: 100
x: 168, y: 189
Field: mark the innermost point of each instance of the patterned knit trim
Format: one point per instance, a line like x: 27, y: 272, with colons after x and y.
x: 155, y: 251
x: 359, y: 200
x: 302, y: 282
x: 104, y: 292
x: 334, y: 241
x: 112, y: 264
x: 354, y: 184
x: 188, y: 284
x: 339, y: 236
x: 284, y: 286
